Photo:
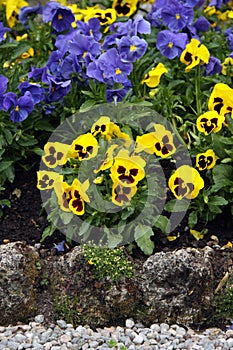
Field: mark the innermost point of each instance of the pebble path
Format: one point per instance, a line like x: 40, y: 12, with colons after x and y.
x: 134, y: 336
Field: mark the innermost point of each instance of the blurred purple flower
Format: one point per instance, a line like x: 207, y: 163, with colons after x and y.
x: 132, y: 27
x: 154, y: 17
x: 62, y: 40
x: 91, y: 28
x: 94, y: 71
x: 38, y: 74
x: 213, y: 66
x: 218, y: 3
x: 117, y: 94
x: 83, y: 45
x: 229, y: 35
x: 3, y: 87
x: 131, y: 48
x: 57, y: 89
x: 60, y: 17
x: 202, y: 24
x: 113, y: 67
x: 60, y: 246
x: 69, y: 65
x: 3, y: 31
x: 177, y: 16
x: 54, y: 62
x: 20, y: 108
x: 26, y: 11
x: 170, y: 44
x: 36, y: 91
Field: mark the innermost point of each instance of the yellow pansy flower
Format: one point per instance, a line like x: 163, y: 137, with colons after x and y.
x: 122, y: 194
x: 159, y: 142
x: 125, y: 7
x: 107, y: 16
x: 221, y: 99
x: 186, y: 182
x: 127, y: 170
x: 78, y: 197
x: 55, y: 154
x: 227, y: 66
x: 46, y: 180
x: 152, y: 78
x: 209, y: 122
x: 84, y: 147
x: 12, y: 10
x: 206, y: 160
x: 195, y: 53
x: 63, y: 192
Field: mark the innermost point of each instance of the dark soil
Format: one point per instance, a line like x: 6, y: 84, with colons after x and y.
x: 25, y: 221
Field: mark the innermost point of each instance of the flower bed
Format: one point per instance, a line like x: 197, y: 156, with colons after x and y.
x: 125, y: 96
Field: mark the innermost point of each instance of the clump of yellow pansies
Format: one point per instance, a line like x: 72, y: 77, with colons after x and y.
x: 124, y: 162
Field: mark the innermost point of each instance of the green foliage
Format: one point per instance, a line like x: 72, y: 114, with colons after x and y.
x: 66, y: 309
x: 108, y: 263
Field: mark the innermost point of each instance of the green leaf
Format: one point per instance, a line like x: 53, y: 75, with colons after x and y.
x: 22, y: 47
x: 48, y: 231
x: 217, y: 200
x: 192, y: 219
x: 87, y: 105
x: 142, y: 236
x: 176, y: 206
x: 163, y: 224
x: 222, y: 176
x: 8, y: 136
x: 5, y: 164
x: 66, y: 217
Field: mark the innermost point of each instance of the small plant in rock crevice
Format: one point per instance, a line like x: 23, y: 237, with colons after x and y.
x: 108, y: 263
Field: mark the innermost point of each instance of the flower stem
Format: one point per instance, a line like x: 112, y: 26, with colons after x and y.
x: 198, y: 89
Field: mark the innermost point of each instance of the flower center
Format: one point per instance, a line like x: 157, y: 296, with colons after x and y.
x: 60, y: 16
x: 170, y: 45
x: 177, y: 16
x: 132, y: 48
x: 118, y: 71
x: 17, y: 108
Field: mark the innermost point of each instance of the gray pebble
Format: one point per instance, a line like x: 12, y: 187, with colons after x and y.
x: 61, y: 324
x: 138, y: 339
x: 129, y: 323
x: 39, y: 319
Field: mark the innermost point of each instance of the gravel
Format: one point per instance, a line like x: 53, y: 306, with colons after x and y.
x: 134, y: 336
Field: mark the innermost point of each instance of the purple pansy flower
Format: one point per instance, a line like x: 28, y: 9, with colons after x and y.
x: 170, y: 44
x: 131, y: 48
x: 60, y: 17
x: 154, y: 17
x: 138, y: 26
x: 91, y: 28
x: 3, y: 87
x: 57, y: 89
x: 117, y: 94
x: 19, y: 108
x: 94, y: 71
x: 202, y: 24
x: 229, y: 35
x: 62, y: 40
x: 26, y: 11
x: 60, y: 246
x: 113, y: 67
x: 68, y: 66
x: 213, y: 66
x: 54, y: 62
x: 36, y: 91
x: 3, y: 31
x: 177, y: 16
x: 83, y: 46
x: 38, y: 74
